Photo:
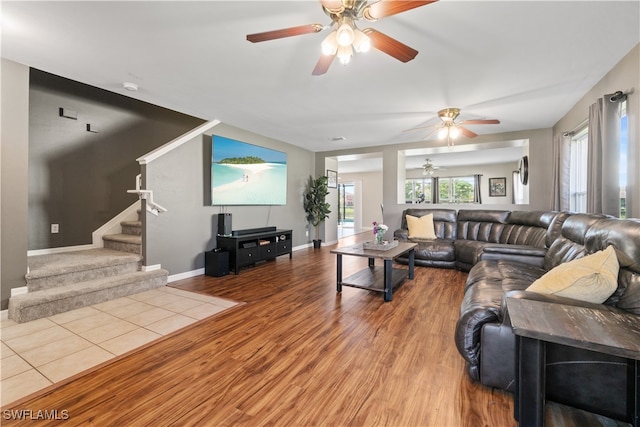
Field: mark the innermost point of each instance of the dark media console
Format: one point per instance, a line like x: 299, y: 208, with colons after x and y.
x: 247, y: 247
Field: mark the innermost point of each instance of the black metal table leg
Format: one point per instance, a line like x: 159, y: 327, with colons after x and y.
x: 388, y: 285
x: 372, y: 262
x: 412, y: 259
x: 339, y: 274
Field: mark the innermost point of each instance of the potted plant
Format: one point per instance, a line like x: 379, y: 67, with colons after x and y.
x: 315, y: 206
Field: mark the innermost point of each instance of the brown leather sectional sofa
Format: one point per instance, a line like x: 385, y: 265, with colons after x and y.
x: 504, y: 253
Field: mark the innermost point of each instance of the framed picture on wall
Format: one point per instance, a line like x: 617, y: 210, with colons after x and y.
x: 332, y: 181
x: 497, y: 187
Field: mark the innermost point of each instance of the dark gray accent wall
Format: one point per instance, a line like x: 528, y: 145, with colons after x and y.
x: 178, y: 238
x: 78, y: 179
x: 14, y: 155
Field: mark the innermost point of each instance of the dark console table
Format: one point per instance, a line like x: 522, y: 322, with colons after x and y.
x: 536, y: 322
x: 247, y: 247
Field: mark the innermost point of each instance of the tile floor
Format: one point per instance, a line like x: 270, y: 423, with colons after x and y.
x: 42, y: 352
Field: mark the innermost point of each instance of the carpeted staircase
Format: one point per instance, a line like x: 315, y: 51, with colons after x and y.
x: 61, y: 282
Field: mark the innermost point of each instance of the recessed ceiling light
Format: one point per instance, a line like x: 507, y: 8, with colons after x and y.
x: 337, y: 138
x: 130, y: 86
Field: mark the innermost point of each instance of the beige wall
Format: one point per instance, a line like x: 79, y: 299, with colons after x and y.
x: 14, y: 160
x: 369, y: 193
x: 625, y: 76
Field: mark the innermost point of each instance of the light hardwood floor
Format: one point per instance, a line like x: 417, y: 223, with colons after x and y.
x: 299, y: 354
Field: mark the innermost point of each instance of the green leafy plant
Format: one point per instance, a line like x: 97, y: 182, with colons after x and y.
x: 315, y: 205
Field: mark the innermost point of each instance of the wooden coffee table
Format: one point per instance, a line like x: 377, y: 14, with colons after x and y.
x: 379, y: 279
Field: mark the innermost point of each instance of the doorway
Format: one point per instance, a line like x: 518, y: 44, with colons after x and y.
x: 346, y: 209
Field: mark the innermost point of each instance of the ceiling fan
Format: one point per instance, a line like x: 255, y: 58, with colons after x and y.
x: 345, y: 36
x: 428, y: 168
x: 451, y: 129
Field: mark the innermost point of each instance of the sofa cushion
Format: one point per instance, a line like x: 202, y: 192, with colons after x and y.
x: 592, y: 278
x: 444, y: 221
x: 421, y: 228
x: 435, y: 250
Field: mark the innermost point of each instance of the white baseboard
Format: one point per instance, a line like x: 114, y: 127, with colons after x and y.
x: 185, y: 275
x: 4, y: 315
x: 49, y: 251
x: 153, y: 267
x: 19, y: 291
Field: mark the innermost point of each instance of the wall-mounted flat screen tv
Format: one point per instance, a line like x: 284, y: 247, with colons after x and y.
x: 246, y: 174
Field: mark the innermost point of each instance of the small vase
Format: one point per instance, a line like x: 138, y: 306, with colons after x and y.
x: 379, y: 238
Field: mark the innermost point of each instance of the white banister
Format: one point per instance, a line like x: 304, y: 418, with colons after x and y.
x: 172, y: 145
x: 151, y: 206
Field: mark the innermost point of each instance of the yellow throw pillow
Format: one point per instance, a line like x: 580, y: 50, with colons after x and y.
x: 421, y: 228
x: 593, y: 278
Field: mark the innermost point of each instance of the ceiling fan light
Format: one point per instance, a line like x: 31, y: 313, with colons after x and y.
x: 361, y: 42
x: 455, y: 132
x: 345, y: 34
x: 442, y: 133
x: 344, y: 54
x: 330, y: 44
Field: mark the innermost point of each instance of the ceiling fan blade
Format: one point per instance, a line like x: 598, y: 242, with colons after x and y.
x: 429, y: 134
x: 323, y: 65
x: 385, y: 8
x: 422, y: 127
x: 390, y: 46
x: 466, y: 132
x: 285, y: 32
x: 481, y: 122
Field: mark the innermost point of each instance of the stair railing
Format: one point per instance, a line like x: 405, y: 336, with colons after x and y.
x: 147, y: 195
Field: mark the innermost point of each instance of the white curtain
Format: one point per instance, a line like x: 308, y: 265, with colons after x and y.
x: 560, y: 191
x: 603, y: 186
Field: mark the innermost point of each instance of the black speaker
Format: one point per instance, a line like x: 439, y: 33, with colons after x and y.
x: 224, y: 224
x: 216, y: 264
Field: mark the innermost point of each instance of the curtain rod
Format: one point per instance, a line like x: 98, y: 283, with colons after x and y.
x: 577, y: 128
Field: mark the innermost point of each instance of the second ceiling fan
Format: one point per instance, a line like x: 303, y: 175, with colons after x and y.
x: 451, y: 129
x: 345, y: 36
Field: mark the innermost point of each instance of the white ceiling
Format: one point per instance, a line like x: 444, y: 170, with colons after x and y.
x: 525, y: 63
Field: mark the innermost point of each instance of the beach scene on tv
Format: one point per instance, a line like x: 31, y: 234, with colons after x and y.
x: 247, y: 174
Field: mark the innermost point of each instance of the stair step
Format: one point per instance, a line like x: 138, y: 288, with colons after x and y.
x: 47, y: 271
x: 131, y: 227
x: 47, y: 302
x: 123, y: 242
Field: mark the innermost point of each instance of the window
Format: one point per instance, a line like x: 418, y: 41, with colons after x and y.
x: 578, y: 171
x: 456, y: 189
x: 417, y: 190
x: 624, y: 144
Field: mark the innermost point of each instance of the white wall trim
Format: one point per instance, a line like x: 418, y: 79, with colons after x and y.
x: 113, y: 225
x: 4, y: 315
x: 172, y: 145
x: 48, y: 251
x: 200, y: 271
x: 153, y: 267
x: 185, y: 275
x: 19, y: 291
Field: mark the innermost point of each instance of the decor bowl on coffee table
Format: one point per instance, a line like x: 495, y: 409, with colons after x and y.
x: 384, y: 246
